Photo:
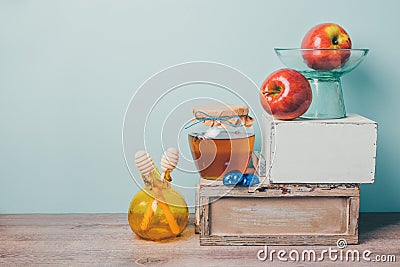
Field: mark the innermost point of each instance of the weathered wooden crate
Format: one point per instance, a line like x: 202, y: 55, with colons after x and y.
x: 278, y: 214
x: 319, y: 151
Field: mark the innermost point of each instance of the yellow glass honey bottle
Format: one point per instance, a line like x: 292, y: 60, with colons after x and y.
x: 158, y: 211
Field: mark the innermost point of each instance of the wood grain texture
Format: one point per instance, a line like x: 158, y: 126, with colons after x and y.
x: 217, y: 189
x: 196, y: 211
x: 278, y: 214
x: 106, y: 240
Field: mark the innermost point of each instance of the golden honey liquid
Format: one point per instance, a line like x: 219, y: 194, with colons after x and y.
x: 159, y: 226
x: 218, y: 156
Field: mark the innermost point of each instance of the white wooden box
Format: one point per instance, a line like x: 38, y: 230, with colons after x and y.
x: 319, y: 151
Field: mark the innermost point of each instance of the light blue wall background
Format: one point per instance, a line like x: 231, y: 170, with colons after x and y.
x: 69, y: 68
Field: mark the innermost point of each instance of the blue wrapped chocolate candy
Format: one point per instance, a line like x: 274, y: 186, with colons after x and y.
x: 233, y: 178
x: 249, y: 179
x: 237, y: 178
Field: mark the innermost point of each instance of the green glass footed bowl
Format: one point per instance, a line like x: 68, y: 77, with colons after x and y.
x: 323, y: 69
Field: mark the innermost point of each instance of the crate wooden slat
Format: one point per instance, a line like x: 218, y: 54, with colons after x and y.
x: 278, y: 214
x: 196, y: 220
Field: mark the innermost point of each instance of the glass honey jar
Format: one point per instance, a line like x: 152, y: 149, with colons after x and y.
x: 221, y: 139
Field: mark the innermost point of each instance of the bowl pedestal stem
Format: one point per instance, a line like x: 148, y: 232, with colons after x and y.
x: 327, y: 102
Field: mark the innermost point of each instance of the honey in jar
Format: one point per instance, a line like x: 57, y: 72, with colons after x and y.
x: 223, y: 142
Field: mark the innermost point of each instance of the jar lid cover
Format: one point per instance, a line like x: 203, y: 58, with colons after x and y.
x: 221, y: 109
x: 216, y: 114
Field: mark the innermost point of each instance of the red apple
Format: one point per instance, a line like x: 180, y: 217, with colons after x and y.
x: 328, y: 36
x: 286, y: 94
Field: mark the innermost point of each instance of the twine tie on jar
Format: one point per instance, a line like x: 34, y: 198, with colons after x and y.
x: 220, y: 119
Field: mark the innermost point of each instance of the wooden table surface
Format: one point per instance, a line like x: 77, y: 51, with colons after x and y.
x: 106, y: 239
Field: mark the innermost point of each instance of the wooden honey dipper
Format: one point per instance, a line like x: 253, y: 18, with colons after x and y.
x: 145, y: 164
x: 151, y: 176
x: 169, y: 161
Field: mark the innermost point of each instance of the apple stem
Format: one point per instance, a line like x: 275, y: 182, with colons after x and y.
x: 335, y: 40
x: 274, y: 90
